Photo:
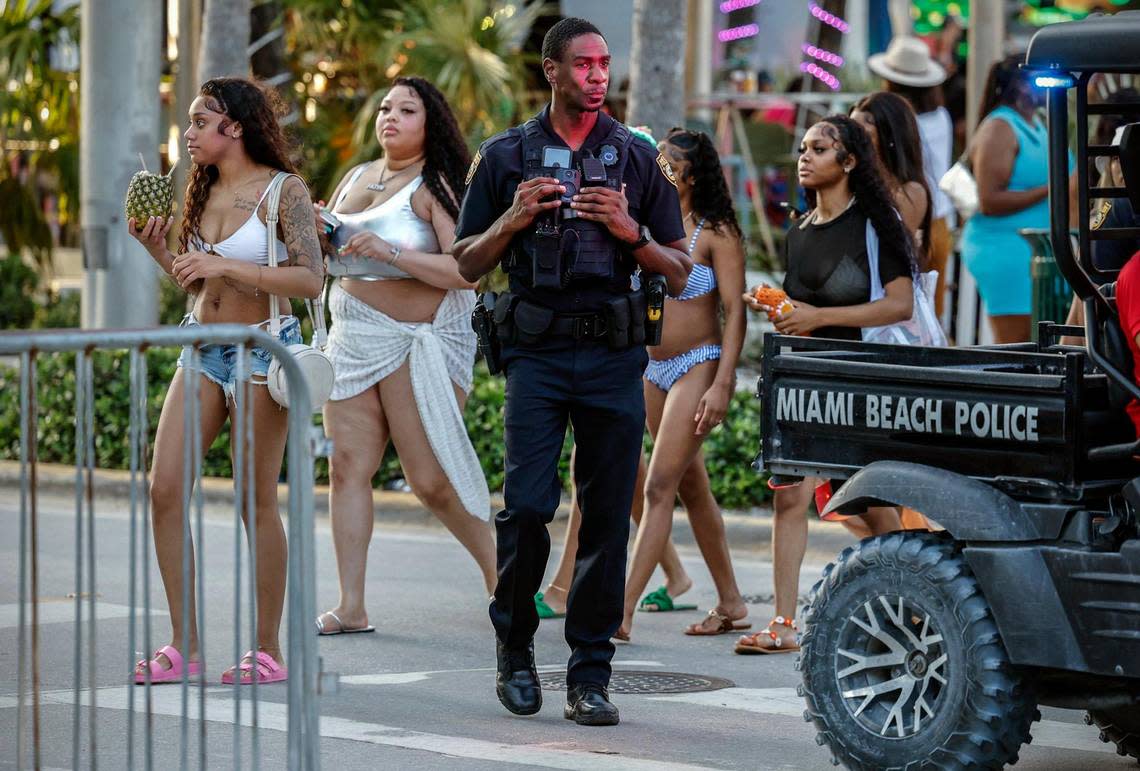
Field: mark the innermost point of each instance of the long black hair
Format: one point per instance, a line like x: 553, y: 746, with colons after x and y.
x: 710, y: 198
x: 872, y: 198
x: 900, y: 145
x: 446, y: 157
x: 1001, y: 84
x: 257, y: 108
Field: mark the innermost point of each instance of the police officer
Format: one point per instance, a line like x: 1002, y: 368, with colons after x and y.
x: 569, y: 331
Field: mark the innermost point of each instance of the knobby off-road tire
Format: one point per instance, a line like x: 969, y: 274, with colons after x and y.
x: 902, y: 663
x: 1119, y: 726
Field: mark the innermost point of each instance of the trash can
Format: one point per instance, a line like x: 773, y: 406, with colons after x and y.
x: 1052, y: 294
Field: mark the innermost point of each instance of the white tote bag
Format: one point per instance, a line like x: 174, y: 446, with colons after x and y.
x: 922, y: 328
x: 314, y: 362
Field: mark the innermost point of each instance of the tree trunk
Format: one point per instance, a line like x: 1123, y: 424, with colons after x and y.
x: 225, y: 39
x: 657, y: 58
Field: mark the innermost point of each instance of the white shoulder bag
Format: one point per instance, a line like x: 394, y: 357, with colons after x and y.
x: 314, y: 362
x: 922, y: 328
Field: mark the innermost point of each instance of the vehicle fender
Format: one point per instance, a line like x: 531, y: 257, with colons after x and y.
x: 969, y: 510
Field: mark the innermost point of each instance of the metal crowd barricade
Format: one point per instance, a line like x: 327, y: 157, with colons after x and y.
x: 301, y: 725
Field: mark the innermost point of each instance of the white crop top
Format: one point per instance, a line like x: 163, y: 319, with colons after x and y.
x: 249, y: 243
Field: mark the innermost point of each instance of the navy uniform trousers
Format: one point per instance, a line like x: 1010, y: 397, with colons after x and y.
x: 598, y: 391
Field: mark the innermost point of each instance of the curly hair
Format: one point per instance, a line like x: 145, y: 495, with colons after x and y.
x: 900, y: 146
x: 446, y: 156
x: 256, y: 108
x: 710, y: 198
x: 872, y: 198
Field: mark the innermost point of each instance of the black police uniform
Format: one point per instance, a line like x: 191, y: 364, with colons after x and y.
x: 1112, y: 254
x: 579, y: 379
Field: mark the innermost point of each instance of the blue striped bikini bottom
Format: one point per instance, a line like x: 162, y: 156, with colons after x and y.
x: 666, y: 372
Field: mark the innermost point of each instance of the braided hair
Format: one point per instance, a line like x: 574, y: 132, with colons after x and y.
x: 446, y: 157
x: 872, y: 198
x: 710, y: 198
x: 257, y: 109
x: 900, y: 146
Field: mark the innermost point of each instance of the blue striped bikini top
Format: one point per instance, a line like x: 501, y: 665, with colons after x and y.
x: 702, y: 279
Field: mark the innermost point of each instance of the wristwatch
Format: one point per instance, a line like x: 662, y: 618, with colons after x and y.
x: 644, y: 239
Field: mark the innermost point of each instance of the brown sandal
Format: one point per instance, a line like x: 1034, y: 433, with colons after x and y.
x: 725, y: 625
x: 751, y: 644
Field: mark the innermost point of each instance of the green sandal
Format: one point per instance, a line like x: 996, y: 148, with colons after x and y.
x: 544, y: 610
x: 659, y: 601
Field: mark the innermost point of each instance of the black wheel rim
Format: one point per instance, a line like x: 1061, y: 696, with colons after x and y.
x: 891, y: 667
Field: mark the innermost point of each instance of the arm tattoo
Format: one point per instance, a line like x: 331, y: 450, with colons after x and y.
x: 299, y: 228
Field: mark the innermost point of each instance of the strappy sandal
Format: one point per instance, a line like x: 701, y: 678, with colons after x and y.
x: 724, y: 625
x: 766, y: 641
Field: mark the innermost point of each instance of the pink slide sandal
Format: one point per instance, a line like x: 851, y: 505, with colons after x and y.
x: 160, y: 675
x: 261, y: 666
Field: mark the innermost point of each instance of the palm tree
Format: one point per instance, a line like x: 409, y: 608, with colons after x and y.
x: 225, y: 39
x: 347, y: 56
x: 657, y: 56
x: 39, y: 120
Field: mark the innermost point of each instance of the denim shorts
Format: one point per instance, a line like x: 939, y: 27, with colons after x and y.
x: 219, y: 362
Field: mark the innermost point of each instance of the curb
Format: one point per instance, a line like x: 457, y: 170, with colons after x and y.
x: 747, y: 530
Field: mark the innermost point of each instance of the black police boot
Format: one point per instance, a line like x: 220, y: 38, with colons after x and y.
x: 589, y: 704
x: 516, y: 682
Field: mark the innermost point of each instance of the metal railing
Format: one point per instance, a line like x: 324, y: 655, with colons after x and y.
x: 301, y: 724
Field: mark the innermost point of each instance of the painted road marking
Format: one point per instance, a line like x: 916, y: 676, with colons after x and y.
x: 274, y: 716
x: 784, y: 701
x: 62, y: 610
x: 402, y: 678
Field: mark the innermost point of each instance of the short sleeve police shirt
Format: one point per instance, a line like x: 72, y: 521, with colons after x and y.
x: 497, y: 171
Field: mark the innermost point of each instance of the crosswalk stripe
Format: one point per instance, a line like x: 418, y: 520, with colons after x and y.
x: 403, y: 678
x: 274, y: 716
x: 784, y: 701
x: 62, y: 610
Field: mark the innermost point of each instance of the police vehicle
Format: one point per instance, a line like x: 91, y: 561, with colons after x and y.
x: 934, y: 649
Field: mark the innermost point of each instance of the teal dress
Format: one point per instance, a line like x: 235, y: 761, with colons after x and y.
x: 994, y: 253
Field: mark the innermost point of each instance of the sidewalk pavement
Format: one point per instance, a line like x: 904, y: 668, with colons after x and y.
x: 747, y: 530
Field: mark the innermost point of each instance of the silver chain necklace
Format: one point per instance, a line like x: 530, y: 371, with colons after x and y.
x: 383, y: 183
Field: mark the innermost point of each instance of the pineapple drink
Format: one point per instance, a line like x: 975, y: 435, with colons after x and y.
x: 149, y: 195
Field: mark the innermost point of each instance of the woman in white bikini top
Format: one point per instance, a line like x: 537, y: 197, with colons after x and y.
x: 237, y: 147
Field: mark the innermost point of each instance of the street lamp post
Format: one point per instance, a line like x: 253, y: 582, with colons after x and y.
x: 119, y: 97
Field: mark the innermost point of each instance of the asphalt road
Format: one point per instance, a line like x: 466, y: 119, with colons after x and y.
x: 419, y: 693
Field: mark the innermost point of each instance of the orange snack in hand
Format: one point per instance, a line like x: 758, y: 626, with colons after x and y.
x: 776, y: 300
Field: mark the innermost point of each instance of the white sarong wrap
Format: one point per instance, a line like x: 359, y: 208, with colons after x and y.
x: 366, y: 346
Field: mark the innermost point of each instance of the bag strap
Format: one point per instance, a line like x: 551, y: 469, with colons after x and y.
x: 877, y: 292
x: 315, y: 307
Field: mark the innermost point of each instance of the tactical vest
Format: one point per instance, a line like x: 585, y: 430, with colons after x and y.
x: 590, y: 253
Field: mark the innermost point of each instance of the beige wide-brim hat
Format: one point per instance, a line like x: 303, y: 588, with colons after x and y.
x: 907, y: 62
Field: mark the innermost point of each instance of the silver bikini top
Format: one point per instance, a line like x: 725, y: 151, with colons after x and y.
x: 394, y: 221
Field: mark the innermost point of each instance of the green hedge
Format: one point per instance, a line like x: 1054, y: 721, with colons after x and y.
x: 729, y: 450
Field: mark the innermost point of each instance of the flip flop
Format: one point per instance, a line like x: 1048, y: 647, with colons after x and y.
x: 160, y: 675
x: 659, y: 601
x: 544, y: 609
x: 725, y: 625
x: 340, y: 627
x: 260, y: 667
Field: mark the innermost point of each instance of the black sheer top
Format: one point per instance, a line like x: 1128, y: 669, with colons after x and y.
x: 827, y: 267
